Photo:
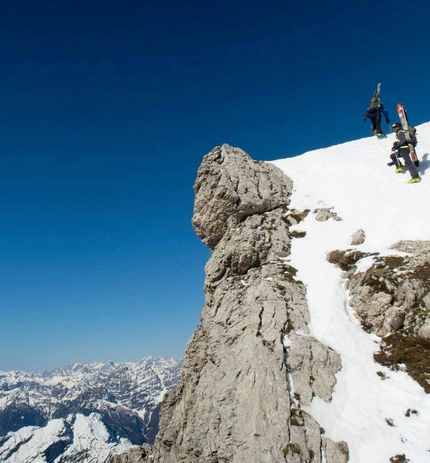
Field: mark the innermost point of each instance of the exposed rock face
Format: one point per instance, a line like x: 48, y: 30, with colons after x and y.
x: 393, y: 292
x: 391, y: 298
x: 251, y: 364
x: 231, y: 187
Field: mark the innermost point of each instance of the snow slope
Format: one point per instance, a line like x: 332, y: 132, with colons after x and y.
x: 355, y: 180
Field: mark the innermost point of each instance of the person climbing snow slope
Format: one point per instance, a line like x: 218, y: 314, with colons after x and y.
x: 401, y: 150
x: 374, y: 112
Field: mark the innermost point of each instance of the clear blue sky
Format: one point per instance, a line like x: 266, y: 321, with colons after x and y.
x: 107, y: 109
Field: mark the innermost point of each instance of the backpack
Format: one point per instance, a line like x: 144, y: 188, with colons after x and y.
x: 375, y: 104
x: 411, y: 135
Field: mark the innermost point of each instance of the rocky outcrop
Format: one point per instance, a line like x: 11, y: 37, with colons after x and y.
x: 391, y: 298
x: 251, y: 365
x: 325, y: 213
x: 359, y: 237
x: 136, y: 455
x: 230, y: 187
x: 393, y: 292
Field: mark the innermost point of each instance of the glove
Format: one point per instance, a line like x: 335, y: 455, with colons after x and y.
x: 387, y: 121
x: 364, y: 118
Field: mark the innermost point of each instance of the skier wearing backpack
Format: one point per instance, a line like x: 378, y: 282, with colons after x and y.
x: 401, y: 150
x: 373, y: 112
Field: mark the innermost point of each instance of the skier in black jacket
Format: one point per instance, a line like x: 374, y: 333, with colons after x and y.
x: 373, y: 112
x: 401, y: 150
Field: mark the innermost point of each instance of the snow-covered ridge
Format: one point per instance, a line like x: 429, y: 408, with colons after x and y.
x: 382, y: 415
x: 116, y: 383
x: 76, y: 438
x: 115, y: 403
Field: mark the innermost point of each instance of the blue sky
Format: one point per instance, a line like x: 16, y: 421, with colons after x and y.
x: 107, y: 110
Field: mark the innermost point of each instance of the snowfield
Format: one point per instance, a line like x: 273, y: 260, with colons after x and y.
x: 368, y: 413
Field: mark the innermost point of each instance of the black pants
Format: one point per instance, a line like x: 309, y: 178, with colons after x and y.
x: 375, y: 118
x: 404, y: 154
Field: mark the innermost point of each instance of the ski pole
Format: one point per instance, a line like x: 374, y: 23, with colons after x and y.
x: 389, y: 126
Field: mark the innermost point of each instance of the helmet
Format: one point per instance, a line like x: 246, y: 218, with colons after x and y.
x: 395, y: 125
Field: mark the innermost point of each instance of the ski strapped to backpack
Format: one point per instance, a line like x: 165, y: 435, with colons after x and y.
x: 377, y: 91
x: 375, y: 102
x: 410, y: 132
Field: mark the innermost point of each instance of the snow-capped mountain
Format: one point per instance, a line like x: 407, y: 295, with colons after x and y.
x: 82, y: 412
x: 77, y: 438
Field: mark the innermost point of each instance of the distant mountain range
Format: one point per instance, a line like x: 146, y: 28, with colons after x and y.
x: 82, y: 413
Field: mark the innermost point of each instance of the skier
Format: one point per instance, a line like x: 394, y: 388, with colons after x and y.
x: 373, y: 112
x: 410, y: 132
x: 401, y: 150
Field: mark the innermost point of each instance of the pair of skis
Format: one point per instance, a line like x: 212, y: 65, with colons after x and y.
x: 403, y: 116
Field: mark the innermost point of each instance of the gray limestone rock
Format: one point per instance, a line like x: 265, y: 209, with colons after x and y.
x: 393, y: 319
x: 135, y: 455
x: 357, y: 238
x: 392, y: 293
x: 391, y: 299
x: 313, y: 368
x: 235, y: 401
x: 325, y: 213
x: 305, y: 439
x: 230, y: 186
x: 424, y: 330
x: 335, y: 452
